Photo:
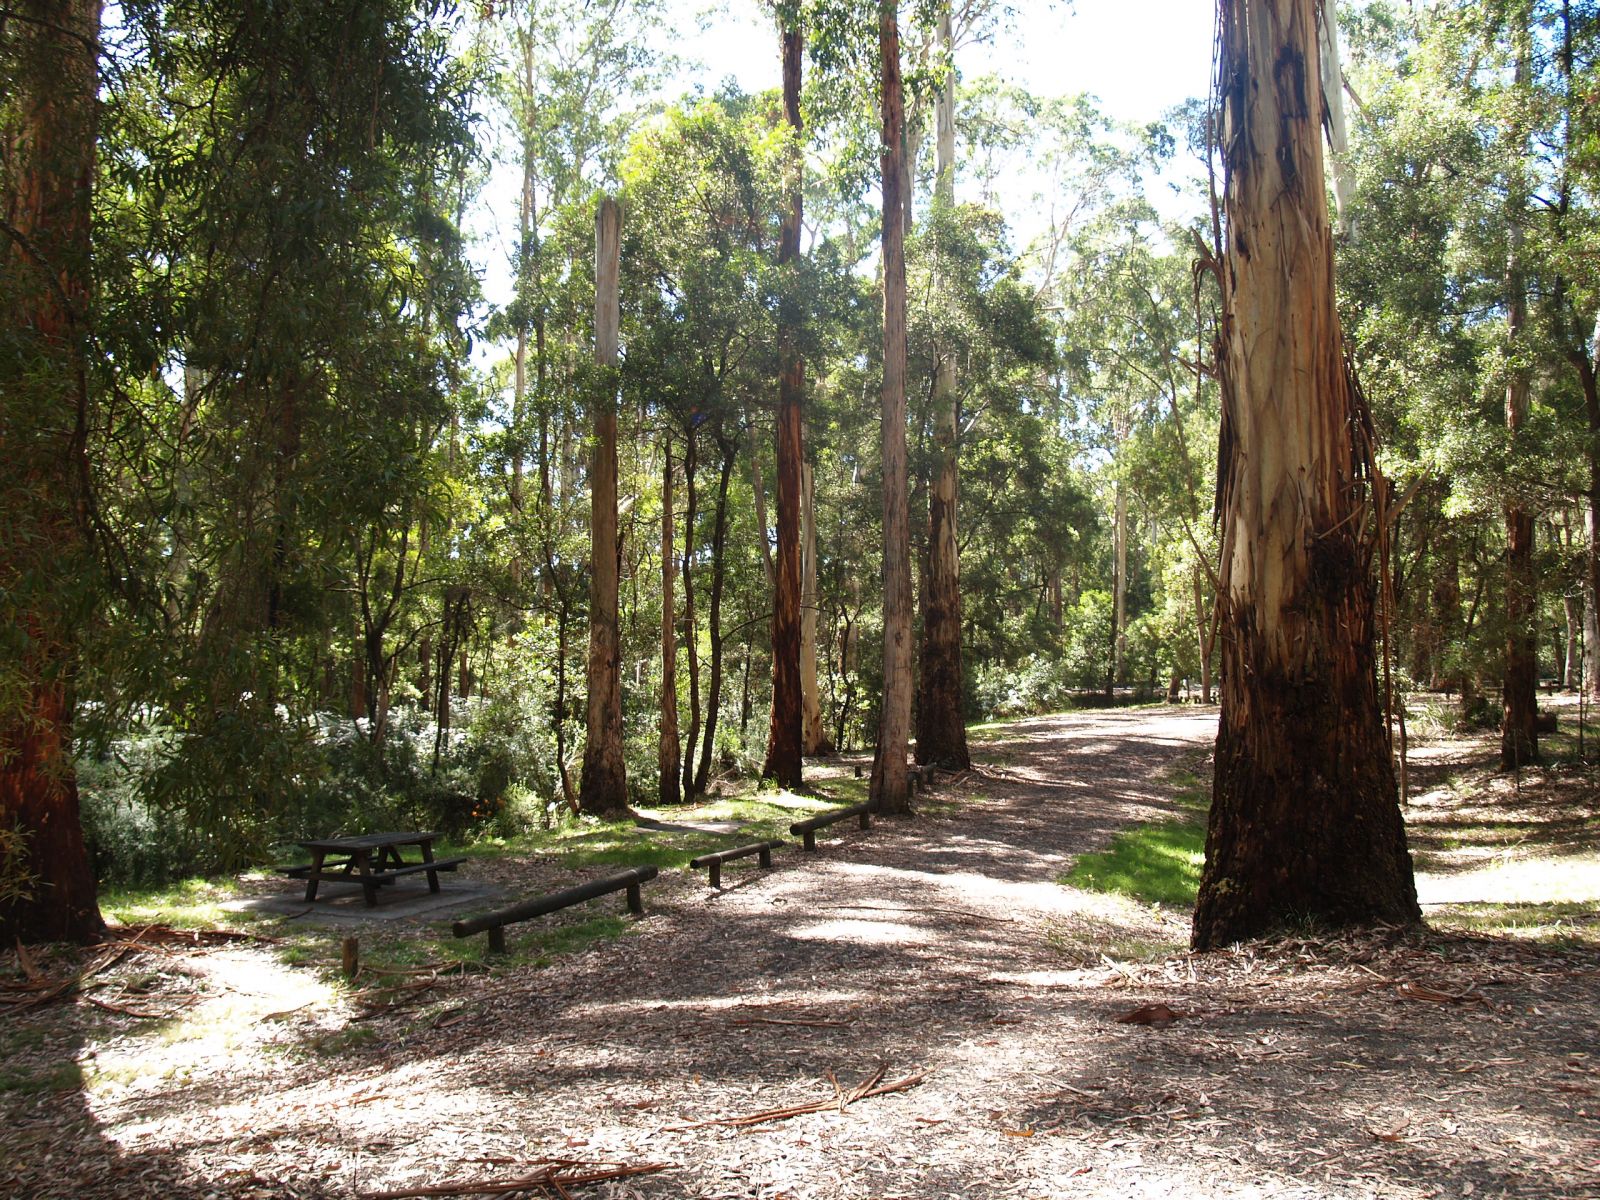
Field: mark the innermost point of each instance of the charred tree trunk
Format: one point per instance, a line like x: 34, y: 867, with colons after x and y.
x: 719, y: 574
x: 47, y: 887
x: 783, y: 762
x: 603, y: 786
x: 1305, y: 820
x: 667, y: 753
x: 941, y: 727
x: 890, y: 782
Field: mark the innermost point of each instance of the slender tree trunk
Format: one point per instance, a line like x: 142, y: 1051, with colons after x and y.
x: 719, y: 574
x: 941, y: 724
x: 890, y: 782
x: 667, y: 754
x: 691, y: 636
x: 1305, y: 819
x: 1572, y: 608
x: 1206, y: 632
x: 783, y: 761
x: 1120, y: 601
x: 814, y: 733
x: 569, y: 794
x: 527, y: 252
x: 603, y: 786
x: 758, y: 489
x: 47, y: 887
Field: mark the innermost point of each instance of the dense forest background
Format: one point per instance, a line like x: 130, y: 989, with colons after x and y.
x: 329, y: 558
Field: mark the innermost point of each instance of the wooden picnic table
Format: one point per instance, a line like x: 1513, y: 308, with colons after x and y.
x: 370, y: 859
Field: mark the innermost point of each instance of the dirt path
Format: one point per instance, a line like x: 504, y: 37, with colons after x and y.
x: 1414, y: 1066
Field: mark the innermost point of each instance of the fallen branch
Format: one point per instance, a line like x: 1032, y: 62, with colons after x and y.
x: 559, y: 1174
x: 838, y: 1101
x: 778, y: 1021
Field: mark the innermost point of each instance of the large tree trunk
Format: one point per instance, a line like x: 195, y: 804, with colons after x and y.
x: 941, y: 724
x: 667, y: 753
x: 1305, y: 821
x: 47, y: 889
x: 813, y: 731
x: 603, y: 785
x: 890, y: 782
x: 783, y: 762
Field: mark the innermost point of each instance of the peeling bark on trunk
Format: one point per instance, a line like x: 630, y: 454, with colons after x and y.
x: 813, y: 732
x: 890, y: 782
x: 44, y: 415
x: 1305, y: 820
x: 667, y: 752
x: 603, y: 785
x: 783, y: 761
x: 1344, y: 182
x: 941, y: 724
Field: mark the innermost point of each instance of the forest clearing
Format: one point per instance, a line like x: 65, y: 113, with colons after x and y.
x: 1457, y: 1060
x: 1085, y: 531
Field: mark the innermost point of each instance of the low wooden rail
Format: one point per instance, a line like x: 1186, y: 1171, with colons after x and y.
x: 494, y: 923
x: 715, y: 861
x: 807, y: 829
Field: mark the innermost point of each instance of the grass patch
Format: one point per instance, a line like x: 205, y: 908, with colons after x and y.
x: 545, y: 946
x: 1158, y: 863
x: 192, y: 904
x: 64, y: 1078
x: 1561, y: 922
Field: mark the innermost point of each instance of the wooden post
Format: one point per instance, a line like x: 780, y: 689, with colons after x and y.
x: 497, y: 939
x: 350, y: 956
x: 635, y: 900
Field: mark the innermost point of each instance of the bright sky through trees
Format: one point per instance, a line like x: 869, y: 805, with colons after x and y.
x: 1140, y: 59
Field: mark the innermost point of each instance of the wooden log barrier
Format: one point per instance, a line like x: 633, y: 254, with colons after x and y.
x: 715, y: 861
x: 494, y: 923
x: 807, y: 829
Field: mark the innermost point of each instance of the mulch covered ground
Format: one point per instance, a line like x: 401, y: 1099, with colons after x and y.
x: 920, y: 1010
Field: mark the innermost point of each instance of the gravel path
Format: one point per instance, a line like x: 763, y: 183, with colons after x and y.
x: 938, y: 950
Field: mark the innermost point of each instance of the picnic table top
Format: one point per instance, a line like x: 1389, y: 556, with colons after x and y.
x: 370, y: 841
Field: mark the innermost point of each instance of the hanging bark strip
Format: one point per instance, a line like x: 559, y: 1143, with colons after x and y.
x: 1305, y: 822
x: 890, y: 783
x: 783, y: 762
x: 603, y: 786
